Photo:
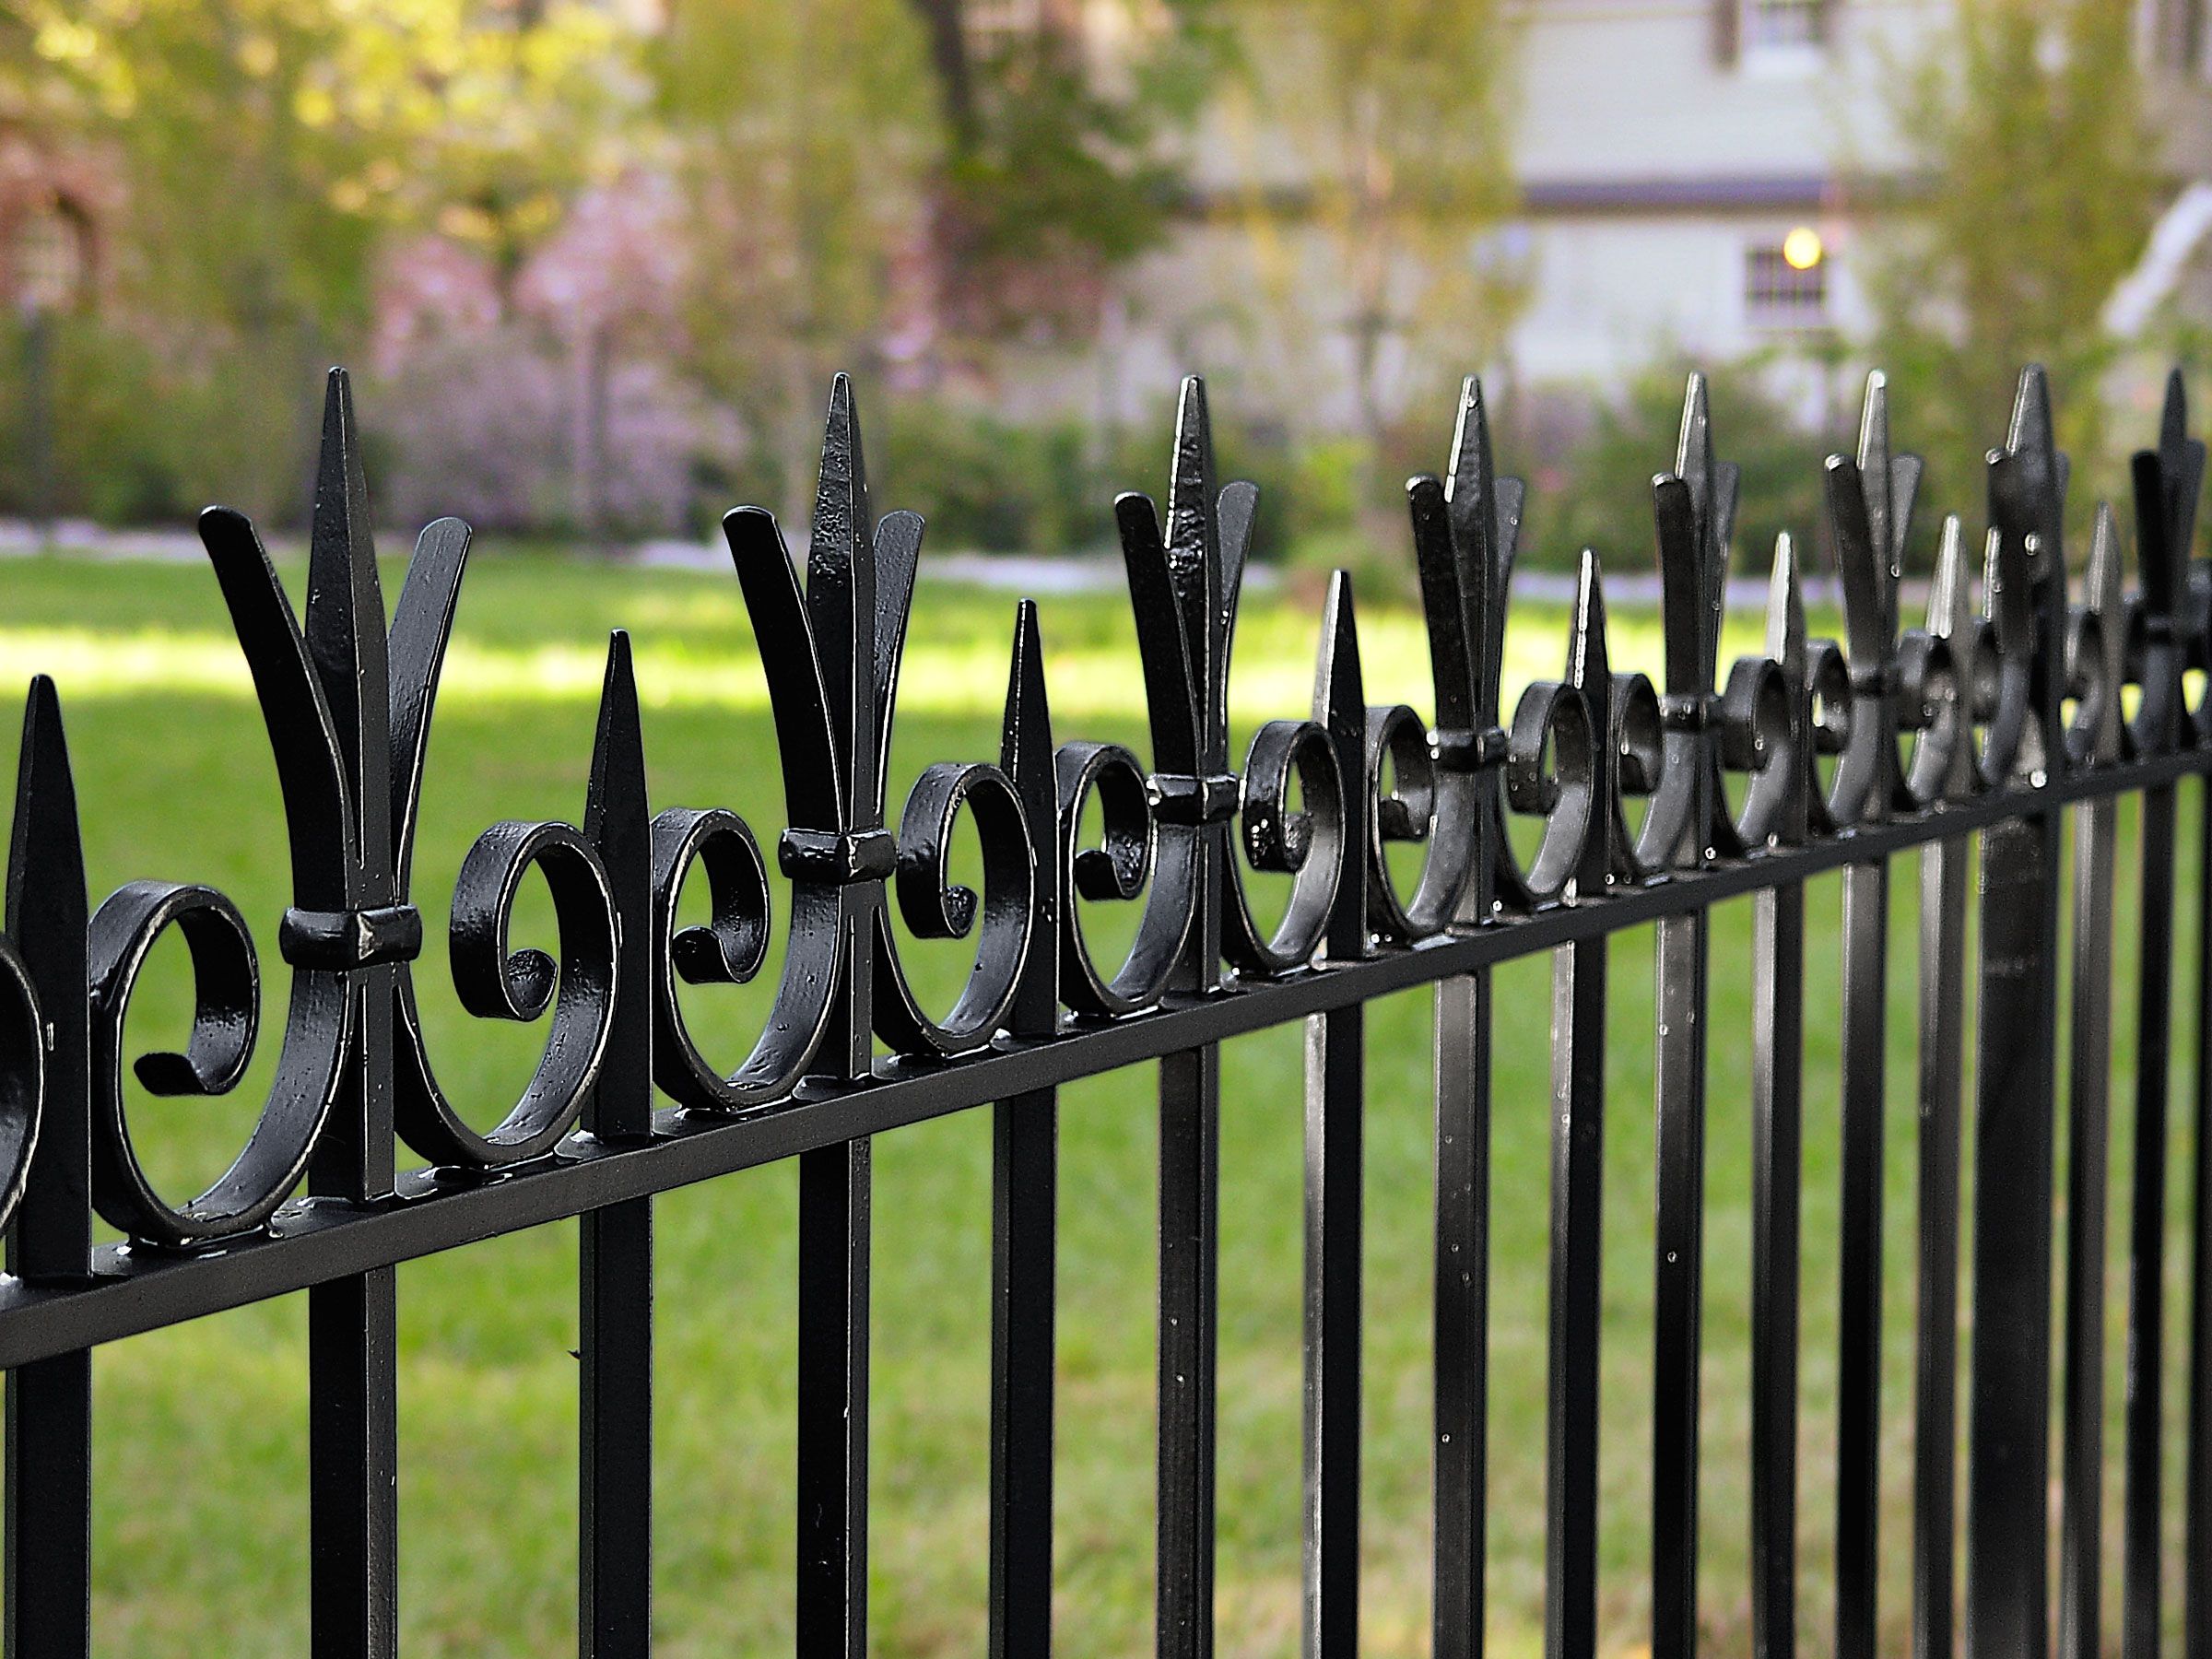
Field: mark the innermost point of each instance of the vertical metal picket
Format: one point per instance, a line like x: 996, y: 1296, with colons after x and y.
x: 614, y: 1254
x: 2095, y: 741
x: 353, y: 1408
x: 2166, y: 482
x: 49, y: 1448
x: 1578, y: 1105
x: 2196, y: 1547
x: 835, y: 1186
x: 1024, y: 1205
x: 1777, y: 1168
x: 1945, y: 866
x: 2009, y: 1443
x: 1334, y: 1107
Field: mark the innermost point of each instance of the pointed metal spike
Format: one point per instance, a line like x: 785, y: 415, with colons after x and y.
x: 844, y: 527
x: 1339, y: 686
x: 1025, y: 755
x: 47, y: 907
x: 1469, y: 469
x: 1874, y: 421
x: 1785, y: 609
x: 1875, y: 473
x: 2102, y: 588
x: 617, y: 820
x: 1026, y: 743
x: 1588, y: 661
x: 1190, y: 529
x: 2173, y: 415
x: 617, y: 778
x: 2030, y: 431
x: 1951, y: 606
x: 45, y: 854
x: 1693, y: 447
x: 345, y: 626
x: 340, y: 536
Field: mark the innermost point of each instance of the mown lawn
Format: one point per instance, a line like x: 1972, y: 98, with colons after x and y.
x: 201, y: 1517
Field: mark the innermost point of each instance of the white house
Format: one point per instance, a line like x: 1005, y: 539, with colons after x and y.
x: 1680, y: 167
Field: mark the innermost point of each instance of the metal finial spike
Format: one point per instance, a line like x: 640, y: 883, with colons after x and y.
x: 2181, y: 462
x: 1951, y: 606
x: 2103, y: 586
x: 1876, y: 479
x: 617, y: 822
x: 1190, y: 529
x: 1874, y: 422
x: 1025, y: 748
x: 844, y: 525
x: 2100, y: 680
x: 345, y: 622
x: 1339, y: 688
x: 340, y: 541
x: 1588, y: 662
x: 45, y: 851
x: 1693, y: 448
x: 1468, y: 479
x: 1785, y: 608
x: 2031, y: 431
x: 617, y: 778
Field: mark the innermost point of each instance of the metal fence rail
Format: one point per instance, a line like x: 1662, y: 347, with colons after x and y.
x: 1990, y: 722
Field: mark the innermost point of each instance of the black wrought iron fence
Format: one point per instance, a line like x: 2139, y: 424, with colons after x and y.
x: 1988, y: 725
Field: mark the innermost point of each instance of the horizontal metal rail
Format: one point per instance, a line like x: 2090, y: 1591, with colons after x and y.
x: 1988, y: 729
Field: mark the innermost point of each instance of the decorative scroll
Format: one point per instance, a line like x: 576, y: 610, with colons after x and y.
x: 1812, y: 739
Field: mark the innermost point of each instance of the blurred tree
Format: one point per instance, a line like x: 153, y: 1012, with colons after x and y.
x: 1053, y: 170
x: 2035, y: 182
x: 1394, y: 111
x: 266, y: 147
x: 803, y: 137
x: 1605, y: 498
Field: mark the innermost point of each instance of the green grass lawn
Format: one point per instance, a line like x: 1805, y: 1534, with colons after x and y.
x: 201, y: 1489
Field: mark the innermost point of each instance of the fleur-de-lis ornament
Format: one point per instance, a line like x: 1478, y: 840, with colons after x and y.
x: 2095, y: 661
x: 1466, y: 528
x: 1869, y: 502
x: 2025, y: 589
x: 1184, y: 581
x: 2163, y: 643
x: 1745, y: 727
x: 347, y: 711
x: 832, y: 653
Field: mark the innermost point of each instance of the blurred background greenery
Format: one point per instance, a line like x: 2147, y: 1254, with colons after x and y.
x: 596, y: 259
x: 593, y: 262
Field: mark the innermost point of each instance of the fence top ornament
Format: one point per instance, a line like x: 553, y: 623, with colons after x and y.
x: 2003, y: 697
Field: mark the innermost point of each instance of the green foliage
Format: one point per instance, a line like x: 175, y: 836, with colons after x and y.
x: 1054, y: 174
x: 2036, y: 181
x: 1395, y: 110
x: 988, y: 485
x: 264, y: 153
x: 1046, y: 486
x: 1605, y: 498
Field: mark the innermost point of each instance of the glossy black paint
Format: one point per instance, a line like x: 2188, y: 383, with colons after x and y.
x: 1989, y: 727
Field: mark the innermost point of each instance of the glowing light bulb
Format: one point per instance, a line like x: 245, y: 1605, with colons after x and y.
x: 1801, y: 248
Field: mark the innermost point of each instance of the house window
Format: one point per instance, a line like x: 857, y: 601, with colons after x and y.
x: 1785, y: 283
x: 1785, y: 25
x: 47, y: 259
